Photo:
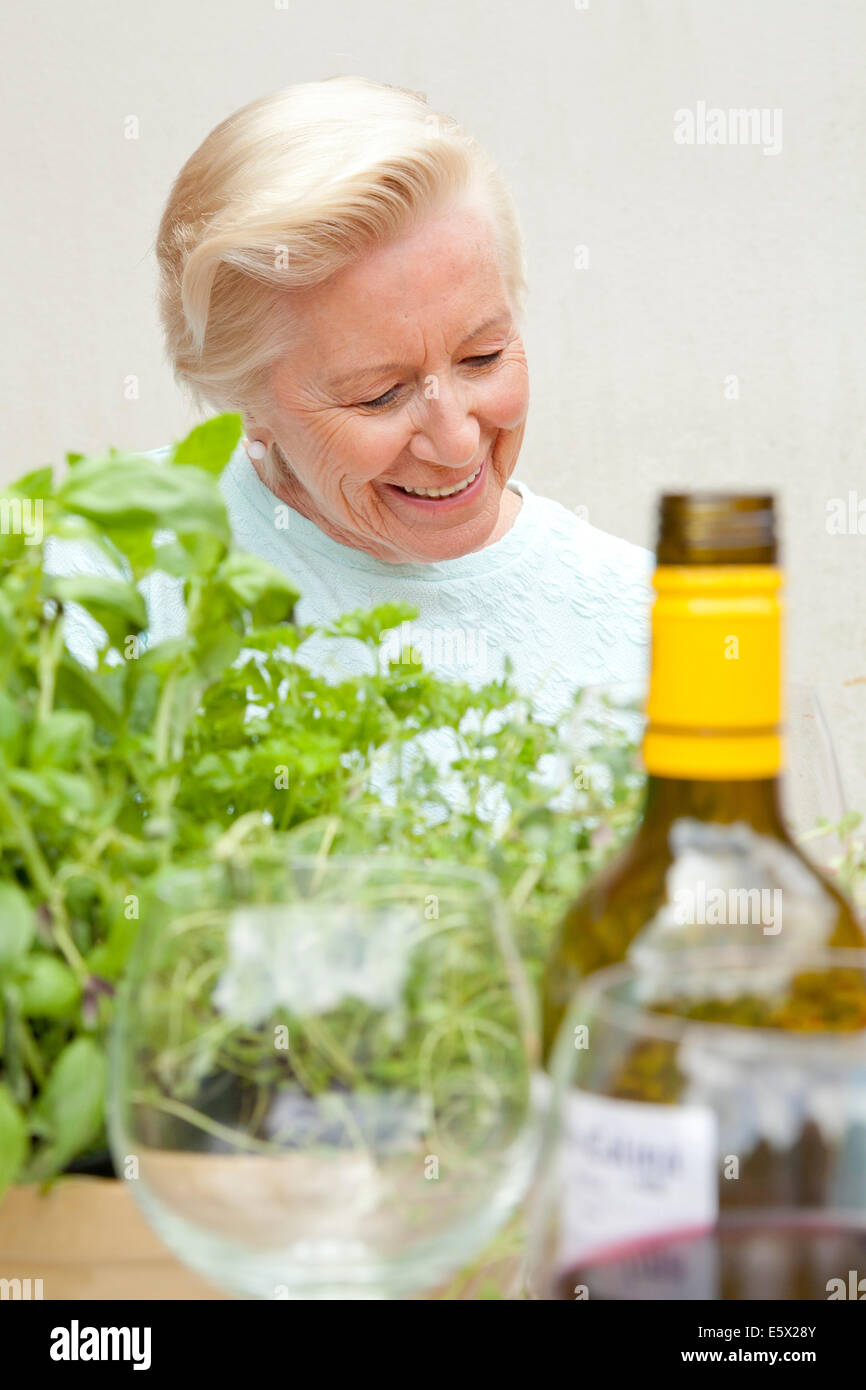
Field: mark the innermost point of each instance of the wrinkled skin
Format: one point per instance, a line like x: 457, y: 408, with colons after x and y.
x: 455, y: 397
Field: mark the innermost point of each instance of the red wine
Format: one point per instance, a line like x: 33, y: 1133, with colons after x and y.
x: 792, y: 1256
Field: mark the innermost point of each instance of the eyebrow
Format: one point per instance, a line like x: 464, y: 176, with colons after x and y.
x: 374, y: 371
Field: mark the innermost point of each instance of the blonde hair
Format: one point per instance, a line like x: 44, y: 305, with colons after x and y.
x: 286, y: 192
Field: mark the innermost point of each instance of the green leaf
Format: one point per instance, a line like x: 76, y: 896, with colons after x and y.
x: 110, y: 956
x: 38, y: 483
x: 369, y: 626
x: 100, y: 693
x: 11, y: 728
x: 257, y: 588
x: 32, y: 785
x: 116, y: 605
x: 17, y: 922
x: 73, y: 793
x: 65, y: 792
x: 60, y: 738
x: 204, y: 550
x: 211, y: 445
x: 11, y: 540
x: 47, y: 987
x: 13, y: 1139
x: 216, y: 647
x: 67, y: 526
x: 174, y: 559
x: 132, y: 495
x: 71, y: 1105
x: 163, y: 656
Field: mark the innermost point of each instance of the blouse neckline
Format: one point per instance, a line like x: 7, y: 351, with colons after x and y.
x: 304, y: 533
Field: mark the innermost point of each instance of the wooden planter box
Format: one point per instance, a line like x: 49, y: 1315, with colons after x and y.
x: 85, y: 1238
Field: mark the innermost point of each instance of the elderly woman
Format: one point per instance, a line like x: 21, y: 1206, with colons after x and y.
x: 343, y: 266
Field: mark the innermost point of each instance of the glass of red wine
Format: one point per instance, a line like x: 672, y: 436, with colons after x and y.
x: 707, y: 1135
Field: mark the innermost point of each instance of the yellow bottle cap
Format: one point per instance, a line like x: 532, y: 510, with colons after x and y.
x: 715, y: 698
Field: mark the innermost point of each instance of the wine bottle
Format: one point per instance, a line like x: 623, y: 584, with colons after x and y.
x: 712, y: 862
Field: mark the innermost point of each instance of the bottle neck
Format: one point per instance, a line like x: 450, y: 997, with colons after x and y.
x: 714, y: 705
x: 757, y: 801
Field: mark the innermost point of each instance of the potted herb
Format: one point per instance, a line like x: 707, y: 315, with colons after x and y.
x: 164, y: 754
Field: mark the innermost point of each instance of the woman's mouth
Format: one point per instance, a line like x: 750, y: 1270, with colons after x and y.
x: 442, y: 491
x: 440, y: 497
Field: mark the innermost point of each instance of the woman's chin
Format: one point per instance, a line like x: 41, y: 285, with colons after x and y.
x: 448, y: 530
x: 430, y: 543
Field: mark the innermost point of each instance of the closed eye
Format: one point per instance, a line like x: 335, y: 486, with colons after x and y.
x: 486, y: 359
x: 389, y: 397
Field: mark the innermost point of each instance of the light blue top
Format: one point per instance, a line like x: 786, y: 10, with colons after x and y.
x: 567, y: 602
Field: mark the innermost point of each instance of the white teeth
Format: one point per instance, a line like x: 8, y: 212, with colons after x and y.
x: 442, y: 491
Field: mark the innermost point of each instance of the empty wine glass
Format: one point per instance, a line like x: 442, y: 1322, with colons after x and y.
x: 812, y: 785
x: 321, y: 1072
x: 607, y: 726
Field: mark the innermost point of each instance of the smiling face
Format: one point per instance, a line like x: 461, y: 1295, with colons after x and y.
x: 402, y: 401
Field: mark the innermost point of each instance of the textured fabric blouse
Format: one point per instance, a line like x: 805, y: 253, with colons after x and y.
x: 567, y: 602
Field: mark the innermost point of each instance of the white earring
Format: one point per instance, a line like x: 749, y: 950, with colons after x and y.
x: 256, y: 449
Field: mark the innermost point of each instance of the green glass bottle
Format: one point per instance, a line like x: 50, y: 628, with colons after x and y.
x: 712, y: 861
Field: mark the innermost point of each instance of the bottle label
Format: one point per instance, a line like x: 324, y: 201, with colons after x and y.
x: 632, y: 1170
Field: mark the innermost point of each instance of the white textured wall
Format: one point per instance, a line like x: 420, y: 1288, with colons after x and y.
x: 703, y: 262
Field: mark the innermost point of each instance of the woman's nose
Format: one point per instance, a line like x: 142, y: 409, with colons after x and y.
x: 448, y: 434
